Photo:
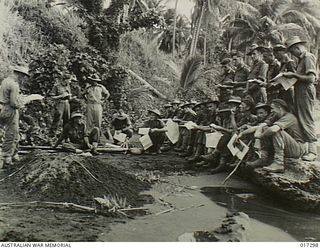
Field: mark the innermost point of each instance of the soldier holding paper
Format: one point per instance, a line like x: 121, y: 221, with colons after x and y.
x: 304, y: 91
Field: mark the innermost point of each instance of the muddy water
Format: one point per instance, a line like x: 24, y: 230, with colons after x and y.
x: 193, y: 211
x: 259, y: 206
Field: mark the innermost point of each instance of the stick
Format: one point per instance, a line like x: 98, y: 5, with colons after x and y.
x: 39, y: 148
x: 165, y: 211
x: 232, y: 172
x: 235, y: 168
x: 133, y: 209
x: 176, y: 184
x: 66, y: 205
x: 82, y: 166
x: 193, y: 206
x: 12, y: 174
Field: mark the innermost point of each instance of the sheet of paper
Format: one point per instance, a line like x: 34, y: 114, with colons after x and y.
x: 212, y: 139
x: 143, y: 131
x: 243, y: 151
x: 173, y: 131
x: 146, y: 141
x: 240, y: 149
x: 121, y: 137
x: 284, y: 81
x: 233, y: 149
x: 28, y: 98
x: 190, y: 125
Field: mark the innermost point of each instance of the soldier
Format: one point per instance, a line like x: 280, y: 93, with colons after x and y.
x: 228, y: 72
x: 262, y: 112
x: 76, y: 136
x: 273, y: 64
x: 189, y: 115
x: 9, y: 115
x: 240, y: 75
x: 286, y: 65
x: 304, y: 91
x: 288, y: 141
x: 175, y: 106
x: 257, y: 75
x: 168, y: 108
x: 221, y: 155
x: 157, y: 130
x: 121, y: 123
x: 200, y: 140
x: 94, y: 97
x: 61, y: 93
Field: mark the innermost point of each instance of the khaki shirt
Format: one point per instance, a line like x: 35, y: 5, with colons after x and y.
x: 241, y: 73
x: 94, y: 93
x: 259, y: 71
x: 10, y: 92
x: 59, y: 89
x: 306, y: 65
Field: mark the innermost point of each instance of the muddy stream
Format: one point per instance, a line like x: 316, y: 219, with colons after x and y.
x: 203, y: 206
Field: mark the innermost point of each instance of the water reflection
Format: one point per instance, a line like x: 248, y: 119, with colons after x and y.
x: 302, y: 226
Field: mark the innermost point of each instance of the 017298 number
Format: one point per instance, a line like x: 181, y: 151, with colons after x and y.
x: 309, y: 244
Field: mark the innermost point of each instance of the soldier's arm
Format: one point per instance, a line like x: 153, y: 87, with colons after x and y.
x: 14, y: 94
x: 105, y: 92
x: 129, y: 124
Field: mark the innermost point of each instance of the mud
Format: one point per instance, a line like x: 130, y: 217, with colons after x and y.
x: 71, y: 178
x: 67, y: 181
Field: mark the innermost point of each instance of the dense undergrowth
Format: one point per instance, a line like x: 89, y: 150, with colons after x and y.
x: 81, y: 38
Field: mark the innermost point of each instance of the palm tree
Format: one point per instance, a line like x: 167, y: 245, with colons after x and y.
x: 174, y: 28
x: 305, y: 13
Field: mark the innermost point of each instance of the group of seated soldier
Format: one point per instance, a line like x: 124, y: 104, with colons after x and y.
x: 272, y: 120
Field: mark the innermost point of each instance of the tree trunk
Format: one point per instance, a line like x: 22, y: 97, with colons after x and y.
x: 197, y: 31
x: 174, y: 29
x: 147, y: 85
x: 205, y: 44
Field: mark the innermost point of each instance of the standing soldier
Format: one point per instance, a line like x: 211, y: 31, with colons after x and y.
x: 257, y: 75
x: 305, y: 92
x: 61, y: 92
x: 240, y: 75
x: 9, y: 115
x: 286, y: 65
x: 93, y: 95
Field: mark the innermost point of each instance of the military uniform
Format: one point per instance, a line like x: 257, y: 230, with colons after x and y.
x: 93, y: 95
x: 74, y: 135
x: 62, y: 109
x: 258, y: 71
x: 241, y: 74
x: 305, y: 96
x: 122, y: 123
x: 157, y: 138
x: 9, y: 117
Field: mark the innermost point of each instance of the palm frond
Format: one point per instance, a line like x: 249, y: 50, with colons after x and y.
x: 176, y: 70
x: 247, y: 9
x: 300, y: 18
x: 190, y: 72
x: 290, y: 29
